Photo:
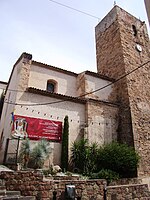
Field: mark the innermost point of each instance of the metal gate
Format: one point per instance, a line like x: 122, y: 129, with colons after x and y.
x: 11, y: 151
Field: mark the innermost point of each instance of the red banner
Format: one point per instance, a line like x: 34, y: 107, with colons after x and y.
x: 36, y: 129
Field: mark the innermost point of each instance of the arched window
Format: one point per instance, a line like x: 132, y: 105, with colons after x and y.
x: 51, y: 85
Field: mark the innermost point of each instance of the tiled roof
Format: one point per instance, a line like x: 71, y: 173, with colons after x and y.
x: 72, y: 73
x: 68, y: 98
x: 56, y: 95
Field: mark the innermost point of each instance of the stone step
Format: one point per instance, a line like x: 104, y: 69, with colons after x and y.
x: 17, y: 198
x: 12, y: 195
x: 2, y: 182
x: 2, y: 192
x: 2, y: 188
x: 9, y: 193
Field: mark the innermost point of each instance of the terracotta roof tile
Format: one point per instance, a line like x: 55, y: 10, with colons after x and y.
x: 68, y: 98
x: 56, y: 95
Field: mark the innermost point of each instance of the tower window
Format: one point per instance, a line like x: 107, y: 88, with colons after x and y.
x: 51, y: 86
x: 134, y: 30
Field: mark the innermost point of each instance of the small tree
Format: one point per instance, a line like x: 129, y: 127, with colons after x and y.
x: 64, y: 152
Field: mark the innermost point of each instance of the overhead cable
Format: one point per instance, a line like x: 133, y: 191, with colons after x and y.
x: 94, y: 91
x: 69, y: 7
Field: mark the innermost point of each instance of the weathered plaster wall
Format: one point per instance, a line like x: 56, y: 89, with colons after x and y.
x: 93, y: 83
x: 102, y: 121
x: 56, y: 112
x: 66, y: 84
x: 13, y: 91
x: 87, y: 83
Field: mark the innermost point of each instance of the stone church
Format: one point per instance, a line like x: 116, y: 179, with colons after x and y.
x: 112, y: 104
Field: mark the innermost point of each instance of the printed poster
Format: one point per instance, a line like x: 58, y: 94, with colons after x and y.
x: 35, y: 128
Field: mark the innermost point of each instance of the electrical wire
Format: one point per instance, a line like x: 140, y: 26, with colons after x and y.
x: 69, y: 7
x: 60, y: 101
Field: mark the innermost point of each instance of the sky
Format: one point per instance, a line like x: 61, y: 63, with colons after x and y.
x: 54, y: 34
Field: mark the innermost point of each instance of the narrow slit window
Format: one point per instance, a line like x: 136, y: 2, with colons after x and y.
x: 134, y: 30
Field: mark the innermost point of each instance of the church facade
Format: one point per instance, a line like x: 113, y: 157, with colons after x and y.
x: 112, y: 104
x: 37, y: 91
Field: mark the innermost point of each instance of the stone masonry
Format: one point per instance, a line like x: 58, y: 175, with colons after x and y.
x: 34, y: 184
x: 122, y: 45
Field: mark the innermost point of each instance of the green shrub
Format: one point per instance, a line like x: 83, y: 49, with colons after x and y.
x: 107, y: 174
x: 46, y: 172
x: 39, y: 154
x: 34, y: 158
x: 78, y: 154
x: 116, y: 157
x: 84, y: 156
x: 119, y: 158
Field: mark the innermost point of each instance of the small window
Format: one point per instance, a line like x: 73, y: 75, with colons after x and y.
x: 134, y: 30
x: 51, y: 86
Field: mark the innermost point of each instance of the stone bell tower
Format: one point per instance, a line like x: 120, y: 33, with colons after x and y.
x: 123, y: 47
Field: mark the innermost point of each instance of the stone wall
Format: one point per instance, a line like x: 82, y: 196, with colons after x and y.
x: 128, y: 192
x: 147, y: 4
x: 137, y: 83
x: 110, y: 62
x: 33, y: 183
x: 120, y: 38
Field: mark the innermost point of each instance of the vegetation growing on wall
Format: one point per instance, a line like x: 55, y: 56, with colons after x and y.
x: 64, y: 152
